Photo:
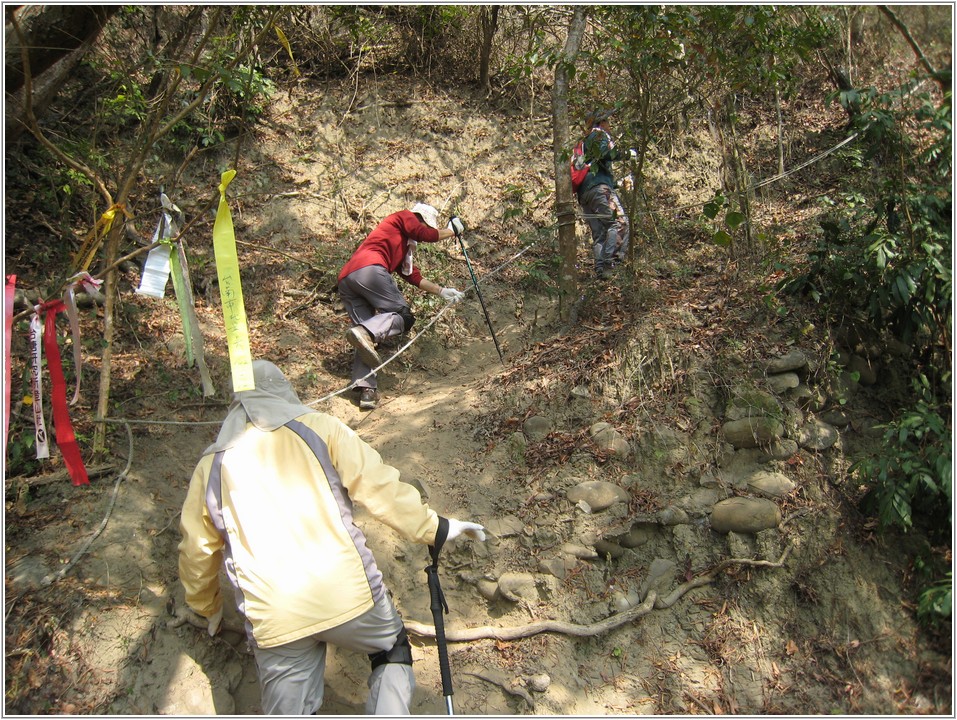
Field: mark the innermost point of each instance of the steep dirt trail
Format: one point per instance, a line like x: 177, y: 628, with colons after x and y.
x: 424, y: 426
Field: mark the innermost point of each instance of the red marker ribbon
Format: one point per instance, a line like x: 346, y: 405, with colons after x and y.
x: 65, y: 439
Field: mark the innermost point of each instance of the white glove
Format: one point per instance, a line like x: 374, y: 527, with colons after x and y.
x: 214, y: 621
x: 452, y: 295
x: 472, y: 530
x: 456, y: 226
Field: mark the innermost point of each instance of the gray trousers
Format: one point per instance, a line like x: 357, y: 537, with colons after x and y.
x: 291, y: 675
x: 608, y: 222
x: 372, y: 299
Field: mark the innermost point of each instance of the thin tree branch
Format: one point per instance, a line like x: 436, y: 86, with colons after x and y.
x: 921, y: 58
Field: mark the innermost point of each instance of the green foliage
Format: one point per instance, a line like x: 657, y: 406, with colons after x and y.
x: 936, y: 601
x: 721, y: 229
x: 21, y: 457
x: 240, y: 94
x: 911, y: 478
x: 884, y: 251
x: 21, y: 452
x: 125, y: 104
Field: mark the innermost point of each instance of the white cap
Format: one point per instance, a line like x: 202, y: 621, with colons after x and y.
x: 429, y: 214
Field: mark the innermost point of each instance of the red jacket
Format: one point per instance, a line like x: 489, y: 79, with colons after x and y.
x: 388, y: 244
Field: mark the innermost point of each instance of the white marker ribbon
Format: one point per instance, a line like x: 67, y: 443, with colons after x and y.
x: 157, y: 268
x: 36, y: 363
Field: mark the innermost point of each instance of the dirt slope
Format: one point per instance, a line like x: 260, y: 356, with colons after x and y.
x: 657, y: 356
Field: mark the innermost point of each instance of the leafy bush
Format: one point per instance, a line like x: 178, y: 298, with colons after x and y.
x: 885, y: 248
x: 911, y: 476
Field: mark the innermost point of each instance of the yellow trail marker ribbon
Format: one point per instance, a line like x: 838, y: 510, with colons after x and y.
x: 231, y: 292
x: 94, y: 238
x: 285, y: 43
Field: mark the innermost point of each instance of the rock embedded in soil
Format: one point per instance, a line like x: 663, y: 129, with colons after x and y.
x: 792, y: 360
x: 780, y: 384
x: 770, y: 484
x: 700, y: 502
x: 538, y: 682
x: 488, y: 589
x: 516, y: 586
x: 752, y: 432
x: 607, y: 548
x: 537, y: 428
x: 661, y: 576
x: 505, y: 526
x: 749, y: 402
x: 838, y: 418
x: 866, y: 370
x: 638, y: 535
x: 745, y: 515
x: 781, y: 449
x: 558, y: 567
x: 598, y: 495
x: 610, y: 440
x: 816, y: 435
x: 579, y: 551
x: 673, y: 516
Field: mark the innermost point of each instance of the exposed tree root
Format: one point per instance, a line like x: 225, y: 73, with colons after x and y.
x: 651, y: 602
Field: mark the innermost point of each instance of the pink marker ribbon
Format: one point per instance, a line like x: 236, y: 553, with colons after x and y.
x: 8, y: 298
x: 92, y: 286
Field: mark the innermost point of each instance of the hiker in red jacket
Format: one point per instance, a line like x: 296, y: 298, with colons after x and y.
x: 371, y: 295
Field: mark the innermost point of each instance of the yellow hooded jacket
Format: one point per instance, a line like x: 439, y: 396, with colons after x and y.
x: 276, y: 507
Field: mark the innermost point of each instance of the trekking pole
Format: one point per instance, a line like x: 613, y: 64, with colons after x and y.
x: 438, y: 605
x: 481, y: 300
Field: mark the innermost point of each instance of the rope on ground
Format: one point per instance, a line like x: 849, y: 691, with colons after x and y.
x: 61, y: 573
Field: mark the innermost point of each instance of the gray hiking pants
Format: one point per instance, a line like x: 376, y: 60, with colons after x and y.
x: 291, y: 675
x: 372, y: 299
x: 608, y: 222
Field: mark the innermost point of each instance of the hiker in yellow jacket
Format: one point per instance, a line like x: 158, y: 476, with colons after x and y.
x: 272, y: 498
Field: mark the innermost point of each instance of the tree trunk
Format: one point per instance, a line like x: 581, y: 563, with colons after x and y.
x: 777, y: 105
x: 55, y: 39
x: 51, y: 32
x: 45, y: 91
x: 564, y: 200
x: 489, y: 17
x: 739, y: 173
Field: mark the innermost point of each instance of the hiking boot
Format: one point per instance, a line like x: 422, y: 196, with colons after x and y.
x: 369, y: 399
x: 361, y: 340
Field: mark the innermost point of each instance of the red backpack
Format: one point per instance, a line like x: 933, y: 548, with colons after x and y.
x: 579, y: 167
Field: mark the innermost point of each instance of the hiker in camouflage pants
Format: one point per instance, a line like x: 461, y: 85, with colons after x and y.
x: 600, y: 203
